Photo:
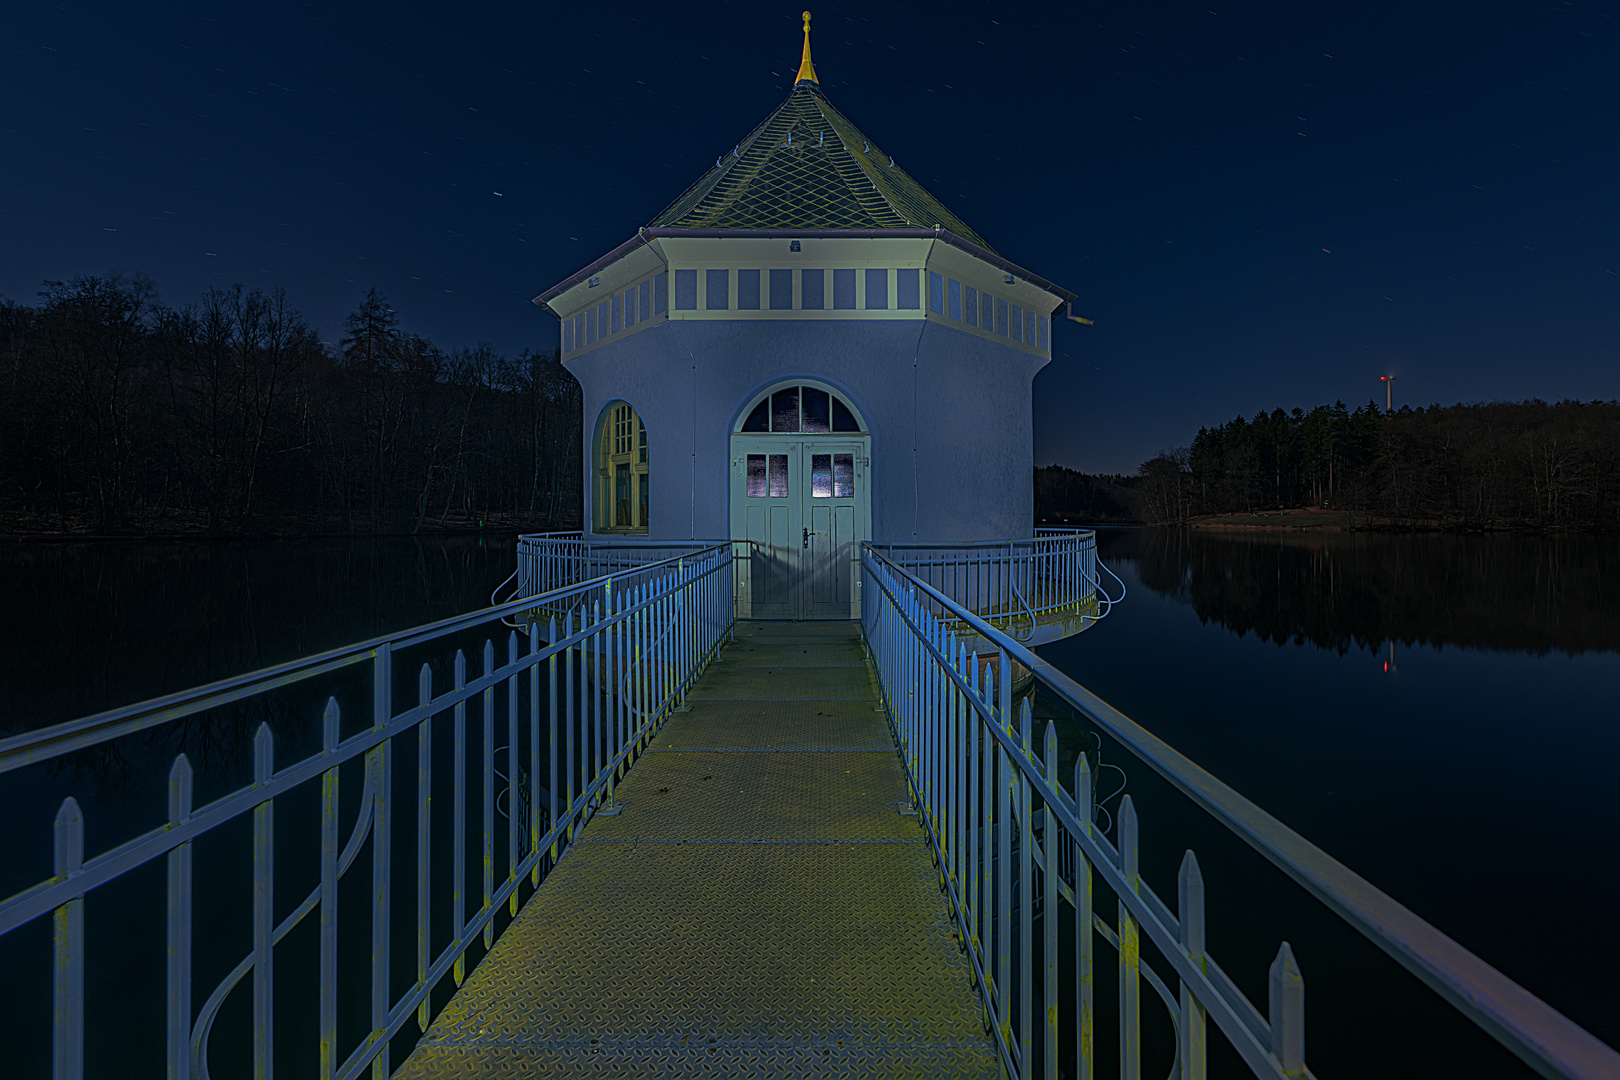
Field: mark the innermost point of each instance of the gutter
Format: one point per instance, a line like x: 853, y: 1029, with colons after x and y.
x: 647, y: 234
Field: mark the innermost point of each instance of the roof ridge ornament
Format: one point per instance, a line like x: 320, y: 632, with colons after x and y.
x: 807, y: 70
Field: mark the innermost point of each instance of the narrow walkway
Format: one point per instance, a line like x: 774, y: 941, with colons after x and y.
x: 760, y: 907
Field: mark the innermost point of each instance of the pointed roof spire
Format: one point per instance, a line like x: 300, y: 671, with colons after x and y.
x: 807, y: 70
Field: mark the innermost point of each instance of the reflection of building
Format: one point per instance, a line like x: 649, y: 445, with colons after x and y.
x: 819, y: 351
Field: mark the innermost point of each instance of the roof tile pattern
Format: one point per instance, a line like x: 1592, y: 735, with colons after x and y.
x: 807, y: 167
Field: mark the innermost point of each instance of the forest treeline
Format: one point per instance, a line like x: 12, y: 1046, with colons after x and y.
x: 1064, y: 496
x: 1503, y: 464
x: 230, y: 416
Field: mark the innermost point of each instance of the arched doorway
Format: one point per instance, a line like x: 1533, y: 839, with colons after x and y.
x: 800, y: 492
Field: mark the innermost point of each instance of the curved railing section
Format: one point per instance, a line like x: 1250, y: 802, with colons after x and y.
x: 1020, y: 586
x: 577, y: 698
x: 1019, y: 855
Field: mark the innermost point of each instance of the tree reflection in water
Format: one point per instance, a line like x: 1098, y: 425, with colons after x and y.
x: 1532, y: 594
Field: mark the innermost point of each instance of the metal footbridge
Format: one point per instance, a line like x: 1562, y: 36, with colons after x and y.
x: 603, y: 828
x: 758, y: 904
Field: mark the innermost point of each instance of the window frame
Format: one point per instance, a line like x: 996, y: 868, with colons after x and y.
x: 622, y: 444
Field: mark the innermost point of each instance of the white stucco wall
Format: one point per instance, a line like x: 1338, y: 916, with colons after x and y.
x: 948, y: 411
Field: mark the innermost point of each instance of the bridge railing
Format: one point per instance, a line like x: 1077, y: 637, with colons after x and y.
x: 549, y: 561
x: 1012, y: 584
x: 559, y: 716
x: 1023, y: 858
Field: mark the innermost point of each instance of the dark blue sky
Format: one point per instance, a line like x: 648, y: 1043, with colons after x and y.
x: 1181, y: 167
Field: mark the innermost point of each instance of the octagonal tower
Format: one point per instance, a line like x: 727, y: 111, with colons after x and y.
x: 806, y: 349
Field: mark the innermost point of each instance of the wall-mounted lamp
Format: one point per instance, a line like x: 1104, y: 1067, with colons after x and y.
x: 1008, y: 278
x: 793, y: 245
x: 594, y: 282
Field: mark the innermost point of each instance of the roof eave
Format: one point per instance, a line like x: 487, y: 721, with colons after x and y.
x: 650, y: 233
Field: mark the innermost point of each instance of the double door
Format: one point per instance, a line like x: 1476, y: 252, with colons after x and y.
x: 804, y: 504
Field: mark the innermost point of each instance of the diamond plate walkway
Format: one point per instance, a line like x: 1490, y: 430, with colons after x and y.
x: 760, y: 908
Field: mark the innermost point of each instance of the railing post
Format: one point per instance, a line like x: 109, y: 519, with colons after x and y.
x: 264, y: 884
x: 1049, y: 908
x: 551, y: 745
x: 458, y: 814
x: 487, y: 791
x: 514, y: 821
x: 1130, y: 951
x: 534, y: 752
x: 329, y: 894
x: 571, y: 759
x: 1003, y: 875
x: 987, y: 793
x: 1026, y: 897
x: 1084, y: 934
x: 975, y: 871
x: 424, y: 839
x: 67, y: 932
x: 381, y: 762
x: 178, y: 1033
x: 1287, y: 1013
x: 1190, y: 906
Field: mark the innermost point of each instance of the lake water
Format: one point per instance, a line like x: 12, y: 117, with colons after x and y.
x: 1439, y: 713
x: 87, y: 627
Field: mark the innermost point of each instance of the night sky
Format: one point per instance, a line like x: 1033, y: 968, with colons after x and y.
x: 1259, y: 205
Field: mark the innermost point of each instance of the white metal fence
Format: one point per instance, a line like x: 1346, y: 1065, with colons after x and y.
x: 1015, y: 850
x: 550, y: 561
x: 565, y: 710
x: 1013, y: 584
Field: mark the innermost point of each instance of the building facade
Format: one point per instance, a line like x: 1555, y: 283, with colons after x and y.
x: 806, y: 350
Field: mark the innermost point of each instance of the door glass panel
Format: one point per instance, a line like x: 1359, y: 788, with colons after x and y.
x: 785, y: 410
x: 843, y: 476
x: 779, y: 485
x: 817, y: 409
x: 821, y: 475
x: 756, y: 476
x: 641, y: 487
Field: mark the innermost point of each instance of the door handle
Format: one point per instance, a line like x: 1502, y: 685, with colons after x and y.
x: 807, y: 538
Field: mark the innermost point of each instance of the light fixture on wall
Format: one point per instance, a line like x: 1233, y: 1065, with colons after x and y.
x: 1008, y: 278
x: 793, y: 245
x: 594, y: 282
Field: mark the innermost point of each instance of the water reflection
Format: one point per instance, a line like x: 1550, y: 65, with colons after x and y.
x: 1531, y: 594
x: 88, y: 627
x: 1436, y: 712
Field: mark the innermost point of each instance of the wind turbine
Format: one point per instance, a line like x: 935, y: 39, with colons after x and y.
x: 1389, y: 392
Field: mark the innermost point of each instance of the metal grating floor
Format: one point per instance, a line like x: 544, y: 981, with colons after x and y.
x: 760, y: 908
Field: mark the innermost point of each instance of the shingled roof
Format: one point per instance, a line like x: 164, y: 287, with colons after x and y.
x: 807, y: 167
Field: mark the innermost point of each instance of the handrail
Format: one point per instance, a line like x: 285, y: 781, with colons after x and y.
x: 29, y: 747
x: 1045, y: 576
x: 1108, y: 602
x: 1041, y: 533
x: 1538, y: 1034
x: 557, y: 699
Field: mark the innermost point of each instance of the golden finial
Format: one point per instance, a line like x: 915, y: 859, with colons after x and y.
x: 807, y: 70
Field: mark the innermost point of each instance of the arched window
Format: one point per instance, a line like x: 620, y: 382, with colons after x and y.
x: 621, y: 475
x: 801, y: 409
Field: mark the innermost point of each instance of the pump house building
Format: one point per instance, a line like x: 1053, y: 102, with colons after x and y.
x: 806, y: 350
